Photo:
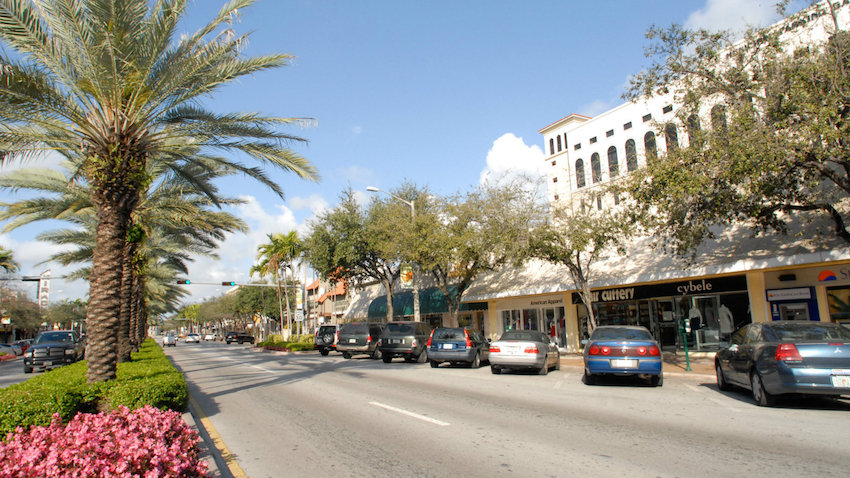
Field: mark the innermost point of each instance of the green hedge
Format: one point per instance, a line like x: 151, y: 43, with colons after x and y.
x: 305, y: 342
x: 149, y: 379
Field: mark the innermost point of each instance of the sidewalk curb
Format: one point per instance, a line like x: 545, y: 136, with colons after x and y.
x: 220, y: 462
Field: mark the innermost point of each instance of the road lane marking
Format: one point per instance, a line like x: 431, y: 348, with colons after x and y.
x: 410, y: 414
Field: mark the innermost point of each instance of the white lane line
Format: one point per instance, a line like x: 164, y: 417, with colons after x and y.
x: 410, y: 414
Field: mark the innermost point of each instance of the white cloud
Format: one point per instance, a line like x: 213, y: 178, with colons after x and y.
x: 735, y: 15
x: 510, y: 156
x: 315, y: 203
x: 357, y: 175
x: 30, y: 255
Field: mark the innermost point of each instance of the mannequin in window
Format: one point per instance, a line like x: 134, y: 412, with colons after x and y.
x: 727, y: 323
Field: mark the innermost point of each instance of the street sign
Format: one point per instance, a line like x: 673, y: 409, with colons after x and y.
x: 299, y: 316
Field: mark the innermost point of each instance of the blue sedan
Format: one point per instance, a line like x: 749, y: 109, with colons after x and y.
x: 786, y: 357
x: 622, y: 350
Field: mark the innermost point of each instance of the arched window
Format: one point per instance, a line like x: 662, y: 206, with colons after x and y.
x: 671, y: 136
x: 559, y: 143
x: 595, y: 167
x: 551, y: 146
x: 613, y: 164
x: 693, y: 127
x: 580, y: 173
x: 718, y: 118
x: 631, y: 155
x: 649, y: 145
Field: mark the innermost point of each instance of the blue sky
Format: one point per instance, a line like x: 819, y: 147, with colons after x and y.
x: 436, y: 92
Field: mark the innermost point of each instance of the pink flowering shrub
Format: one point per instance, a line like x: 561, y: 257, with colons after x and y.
x: 146, y: 442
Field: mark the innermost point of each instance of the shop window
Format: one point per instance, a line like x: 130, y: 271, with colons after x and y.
x: 595, y: 168
x: 839, y: 304
x: 613, y: 164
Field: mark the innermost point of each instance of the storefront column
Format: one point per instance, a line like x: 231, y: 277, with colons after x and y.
x: 571, y: 320
x: 759, y: 307
x: 493, y: 328
x: 823, y: 304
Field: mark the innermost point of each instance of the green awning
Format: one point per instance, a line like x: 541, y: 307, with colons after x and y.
x: 431, y: 301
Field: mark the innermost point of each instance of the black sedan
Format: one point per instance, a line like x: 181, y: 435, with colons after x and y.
x: 786, y: 357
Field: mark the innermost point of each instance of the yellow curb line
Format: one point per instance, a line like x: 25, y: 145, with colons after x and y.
x: 218, y: 442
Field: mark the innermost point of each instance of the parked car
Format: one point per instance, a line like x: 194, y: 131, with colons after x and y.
x: 457, y: 345
x: 193, y: 338
x: 54, y: 348
x: 170, y: 340
x: 524, y: 349
x: 622, y: 350
x: 240, y: 337
x: 11, y: 349
x: 360, y: 338
x: 23, y: 344
x: 326, y: 338
x: 786, y: 358
x: 405, y: 339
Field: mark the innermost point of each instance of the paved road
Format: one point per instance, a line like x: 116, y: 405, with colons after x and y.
x: 308, y: 415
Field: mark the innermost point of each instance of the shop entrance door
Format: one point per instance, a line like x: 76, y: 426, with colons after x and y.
x: 648, y: 317
x: 795, y: 311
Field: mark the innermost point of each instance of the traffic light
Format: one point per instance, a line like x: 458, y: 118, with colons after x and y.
x: 184, y: 281
x: 228, y: 283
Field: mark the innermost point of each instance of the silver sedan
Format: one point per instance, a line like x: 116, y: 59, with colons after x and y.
x: 524, y: 349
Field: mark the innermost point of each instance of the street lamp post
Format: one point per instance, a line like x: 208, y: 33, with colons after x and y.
x: 413, y: 221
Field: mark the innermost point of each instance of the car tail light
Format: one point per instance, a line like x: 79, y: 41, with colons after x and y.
x: 641, y: 350
x: 594, y: 350
x: 468, y: 342
x: 368, y: 339
x: 337, y: 335
x: 653, y: 350
x: 788, y: 353
x: 495, y: 349
x: 429, y: 339
x: 413, y: 344
x: 532, y: 350
x: 605, y: 350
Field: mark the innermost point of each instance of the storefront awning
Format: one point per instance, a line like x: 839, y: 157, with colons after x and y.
x: 431, y: 301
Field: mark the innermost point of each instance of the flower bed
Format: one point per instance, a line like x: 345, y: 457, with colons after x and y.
x: 124, y: 443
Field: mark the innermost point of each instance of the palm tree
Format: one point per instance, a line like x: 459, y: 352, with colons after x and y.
x: 7, y: 262
x: 275, y: 257
x: 104, y: 82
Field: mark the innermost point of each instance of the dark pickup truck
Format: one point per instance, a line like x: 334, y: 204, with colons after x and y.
x: 54, y: 348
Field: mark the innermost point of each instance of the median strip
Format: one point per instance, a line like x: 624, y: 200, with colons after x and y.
x: 410, y: 414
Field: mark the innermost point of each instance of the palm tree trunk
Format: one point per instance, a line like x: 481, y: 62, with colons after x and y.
x: 286, y: 296
x: 102, y: 316
x: 280, y: 306
x: 125, y: 310
x: 141, y: 310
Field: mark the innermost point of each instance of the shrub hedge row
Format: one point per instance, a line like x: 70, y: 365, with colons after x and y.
x: 275, y: 342
x: 149, y: 379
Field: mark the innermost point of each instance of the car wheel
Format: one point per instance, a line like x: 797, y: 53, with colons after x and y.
x: 657, y: 380
x: 346, y: 355
x: 762, y: 398
x: 27, y: 369
x: 545, y: 368
x: 495, y: 370
x: 422, y: 357
x: 588, y: 378
x: 324, y: 351
x: 476, y: 362
x: 722, y: 384
x: 434, y: 363
x: 387, y: 358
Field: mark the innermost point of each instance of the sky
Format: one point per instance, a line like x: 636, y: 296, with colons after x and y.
x: 440, y: 93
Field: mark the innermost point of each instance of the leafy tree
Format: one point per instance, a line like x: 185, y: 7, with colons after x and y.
x: 25, y: 313
x: 462, y: 236
x: 345, y: 244
x: 775, y: 147
x: 7, y: 262
x: 101, y: 82
x: 67, y: 313
x: 578, y: 240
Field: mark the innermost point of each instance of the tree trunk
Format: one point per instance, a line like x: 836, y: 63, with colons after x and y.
x: 102, y: 316
x: 286, y: 296
x: 389, y: 287
x: 125, y: 311
x: 140, y: 312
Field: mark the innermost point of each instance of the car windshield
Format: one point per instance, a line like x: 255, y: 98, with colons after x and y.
x: 620, y: 333
x: 47, y: 337
x: 449, y: 334
x: 522, y: 335
x: 805, y: 332
x: 399, y: 329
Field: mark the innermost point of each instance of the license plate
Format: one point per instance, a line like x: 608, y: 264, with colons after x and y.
x: 448, y: 346
x: 47, y: 364
x: 841, y: 381
x: 621, y: 363
x: 352, y: 341
x: 396, y: 341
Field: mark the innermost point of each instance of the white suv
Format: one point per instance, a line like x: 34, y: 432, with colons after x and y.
x: 326, y: 338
